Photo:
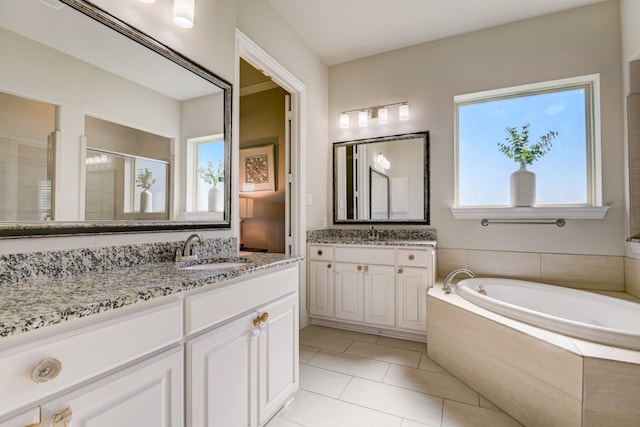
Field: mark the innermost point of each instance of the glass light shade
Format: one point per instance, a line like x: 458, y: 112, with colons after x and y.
x: 383, y: 116
x: 344, y: 121
x: 362, y: 118
x: 245, y: 207
x: 403, y: 112
x: 183, y: 12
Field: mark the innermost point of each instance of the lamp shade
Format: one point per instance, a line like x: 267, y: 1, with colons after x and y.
x: 344, y: 121
x: 383, y: 115
x: 245, y: 207
x: 183, y: 13
x: 363, y: 118
x: 403, y: 112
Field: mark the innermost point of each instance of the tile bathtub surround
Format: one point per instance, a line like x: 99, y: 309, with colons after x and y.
x: 16, y: 268
x: 361, y: 235
x: 353, y: 379
x: 595, y: 272
x: 632, y: 276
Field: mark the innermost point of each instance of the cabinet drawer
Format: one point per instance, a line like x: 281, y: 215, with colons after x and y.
x: 321, y: 253
x: 365, y: 255
x: 85, y: 353
x: 414, y: 257
x: 208, y: 308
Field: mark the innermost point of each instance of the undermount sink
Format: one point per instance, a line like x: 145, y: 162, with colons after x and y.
x: 217, y: 265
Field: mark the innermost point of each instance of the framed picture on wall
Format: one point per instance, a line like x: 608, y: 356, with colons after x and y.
x: 257, y: 169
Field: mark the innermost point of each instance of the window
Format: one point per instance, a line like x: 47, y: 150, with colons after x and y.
x: 568, y: 175
x: 204, y: 153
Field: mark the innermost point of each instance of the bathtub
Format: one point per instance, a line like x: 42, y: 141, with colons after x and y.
x: 572, y: 312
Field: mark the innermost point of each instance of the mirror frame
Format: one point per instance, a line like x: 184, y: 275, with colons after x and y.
x: 64, y: 228
x: 426, y: 181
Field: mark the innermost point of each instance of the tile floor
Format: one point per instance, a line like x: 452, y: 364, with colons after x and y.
x: 352, y: 379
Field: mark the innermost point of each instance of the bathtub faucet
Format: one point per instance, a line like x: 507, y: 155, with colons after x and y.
x: 447, y: 282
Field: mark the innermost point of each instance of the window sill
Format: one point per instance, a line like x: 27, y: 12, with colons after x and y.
x: 560, y: 212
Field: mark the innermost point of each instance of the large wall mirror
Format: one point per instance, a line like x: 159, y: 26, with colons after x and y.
x: 382, y: 180
x: 103, y: 129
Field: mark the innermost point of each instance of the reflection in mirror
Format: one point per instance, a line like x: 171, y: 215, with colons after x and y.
x: 382, y: 180
x: 26, y: 129
x: 116, y: 91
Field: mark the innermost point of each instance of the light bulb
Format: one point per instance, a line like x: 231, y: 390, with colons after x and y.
x: 362, y: 118
x: 403, y: 112
x: 183, y: 11
x: 344, y: 121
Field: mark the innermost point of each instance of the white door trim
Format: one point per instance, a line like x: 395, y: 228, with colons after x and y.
x: 248, y: 50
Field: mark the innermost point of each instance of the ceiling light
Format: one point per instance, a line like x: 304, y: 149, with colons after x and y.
x: 183, y: 12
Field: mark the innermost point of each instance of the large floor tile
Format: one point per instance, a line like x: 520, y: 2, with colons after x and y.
x: 383, y: 353
x: 394, y: 400
x: 307, y: 353
x: 314, y: 410
x: 445, y: 386
x: 426, y: 364
x: 281, y: 422
x: 461, y: 415
x: 327, y: 342
x: 322, y: 381
x: 410, y: 423
x: 350, y: 365
x: 405, y: 344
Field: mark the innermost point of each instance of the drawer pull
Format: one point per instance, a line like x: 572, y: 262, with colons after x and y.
x: 329, y: 265
x: 411, y: 257
x: 400, y: 271
x: 320, y: 252
x: 261, y: 319
x: 45, y: 370
x: 366, y: 268
x: 62, y: 418
x: 359, y: 268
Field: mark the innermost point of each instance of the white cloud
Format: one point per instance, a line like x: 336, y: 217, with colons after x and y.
x: 555, y: 108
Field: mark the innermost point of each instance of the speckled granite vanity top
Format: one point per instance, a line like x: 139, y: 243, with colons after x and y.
x: 366, y: 236
x: 41, y: 300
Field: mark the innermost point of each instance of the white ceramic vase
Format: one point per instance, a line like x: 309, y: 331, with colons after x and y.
x: 216, y: 201
x: 523, y: 188
x: 146, y: 201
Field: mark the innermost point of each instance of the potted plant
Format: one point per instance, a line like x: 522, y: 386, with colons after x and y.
x: 518, y: 148
x: 145, y: 180
x: 213, y: 176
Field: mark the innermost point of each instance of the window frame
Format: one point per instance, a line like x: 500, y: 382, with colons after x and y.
x: 591, y: 84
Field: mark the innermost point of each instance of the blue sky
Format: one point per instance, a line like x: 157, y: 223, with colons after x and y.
x: 561, y: 175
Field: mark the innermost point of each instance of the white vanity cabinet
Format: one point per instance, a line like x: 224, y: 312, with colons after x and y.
x: 372, y: 288
x: 241, y: 371
x: 84, y: 366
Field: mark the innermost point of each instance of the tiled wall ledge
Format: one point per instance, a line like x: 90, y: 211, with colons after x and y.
x: 594, y: 272
x: 18, y: 267
x: 354, y: 234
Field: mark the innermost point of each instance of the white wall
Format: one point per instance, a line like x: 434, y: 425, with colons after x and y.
x: 572, y: 43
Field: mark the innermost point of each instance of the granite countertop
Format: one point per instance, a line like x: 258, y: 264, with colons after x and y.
x: 39, y: 302
x: 375, y: 242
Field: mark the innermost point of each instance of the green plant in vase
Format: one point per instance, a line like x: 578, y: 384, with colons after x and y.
x: 212, y: 176
x: 145, y: 180
x: 518, y: 147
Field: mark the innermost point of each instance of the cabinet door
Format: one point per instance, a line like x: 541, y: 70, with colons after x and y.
x: 349, y: 301
x: 321, y: 288
x: 278, y: 355
x: 379, y: 295
x: 222, y: 376
x: 412, y: 284
x: 149, y: 393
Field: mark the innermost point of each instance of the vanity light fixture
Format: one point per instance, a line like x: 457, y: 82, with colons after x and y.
x: 183, y: 12
x: 379, y: 112
x: 363, y: 118
x: 344, y: 121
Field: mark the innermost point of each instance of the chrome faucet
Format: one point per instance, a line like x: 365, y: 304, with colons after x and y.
x: 373, y: 233
x: 188, y: 251
x: 447, y: 282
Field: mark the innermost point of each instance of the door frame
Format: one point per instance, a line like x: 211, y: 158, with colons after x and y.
x: 248, y: 50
